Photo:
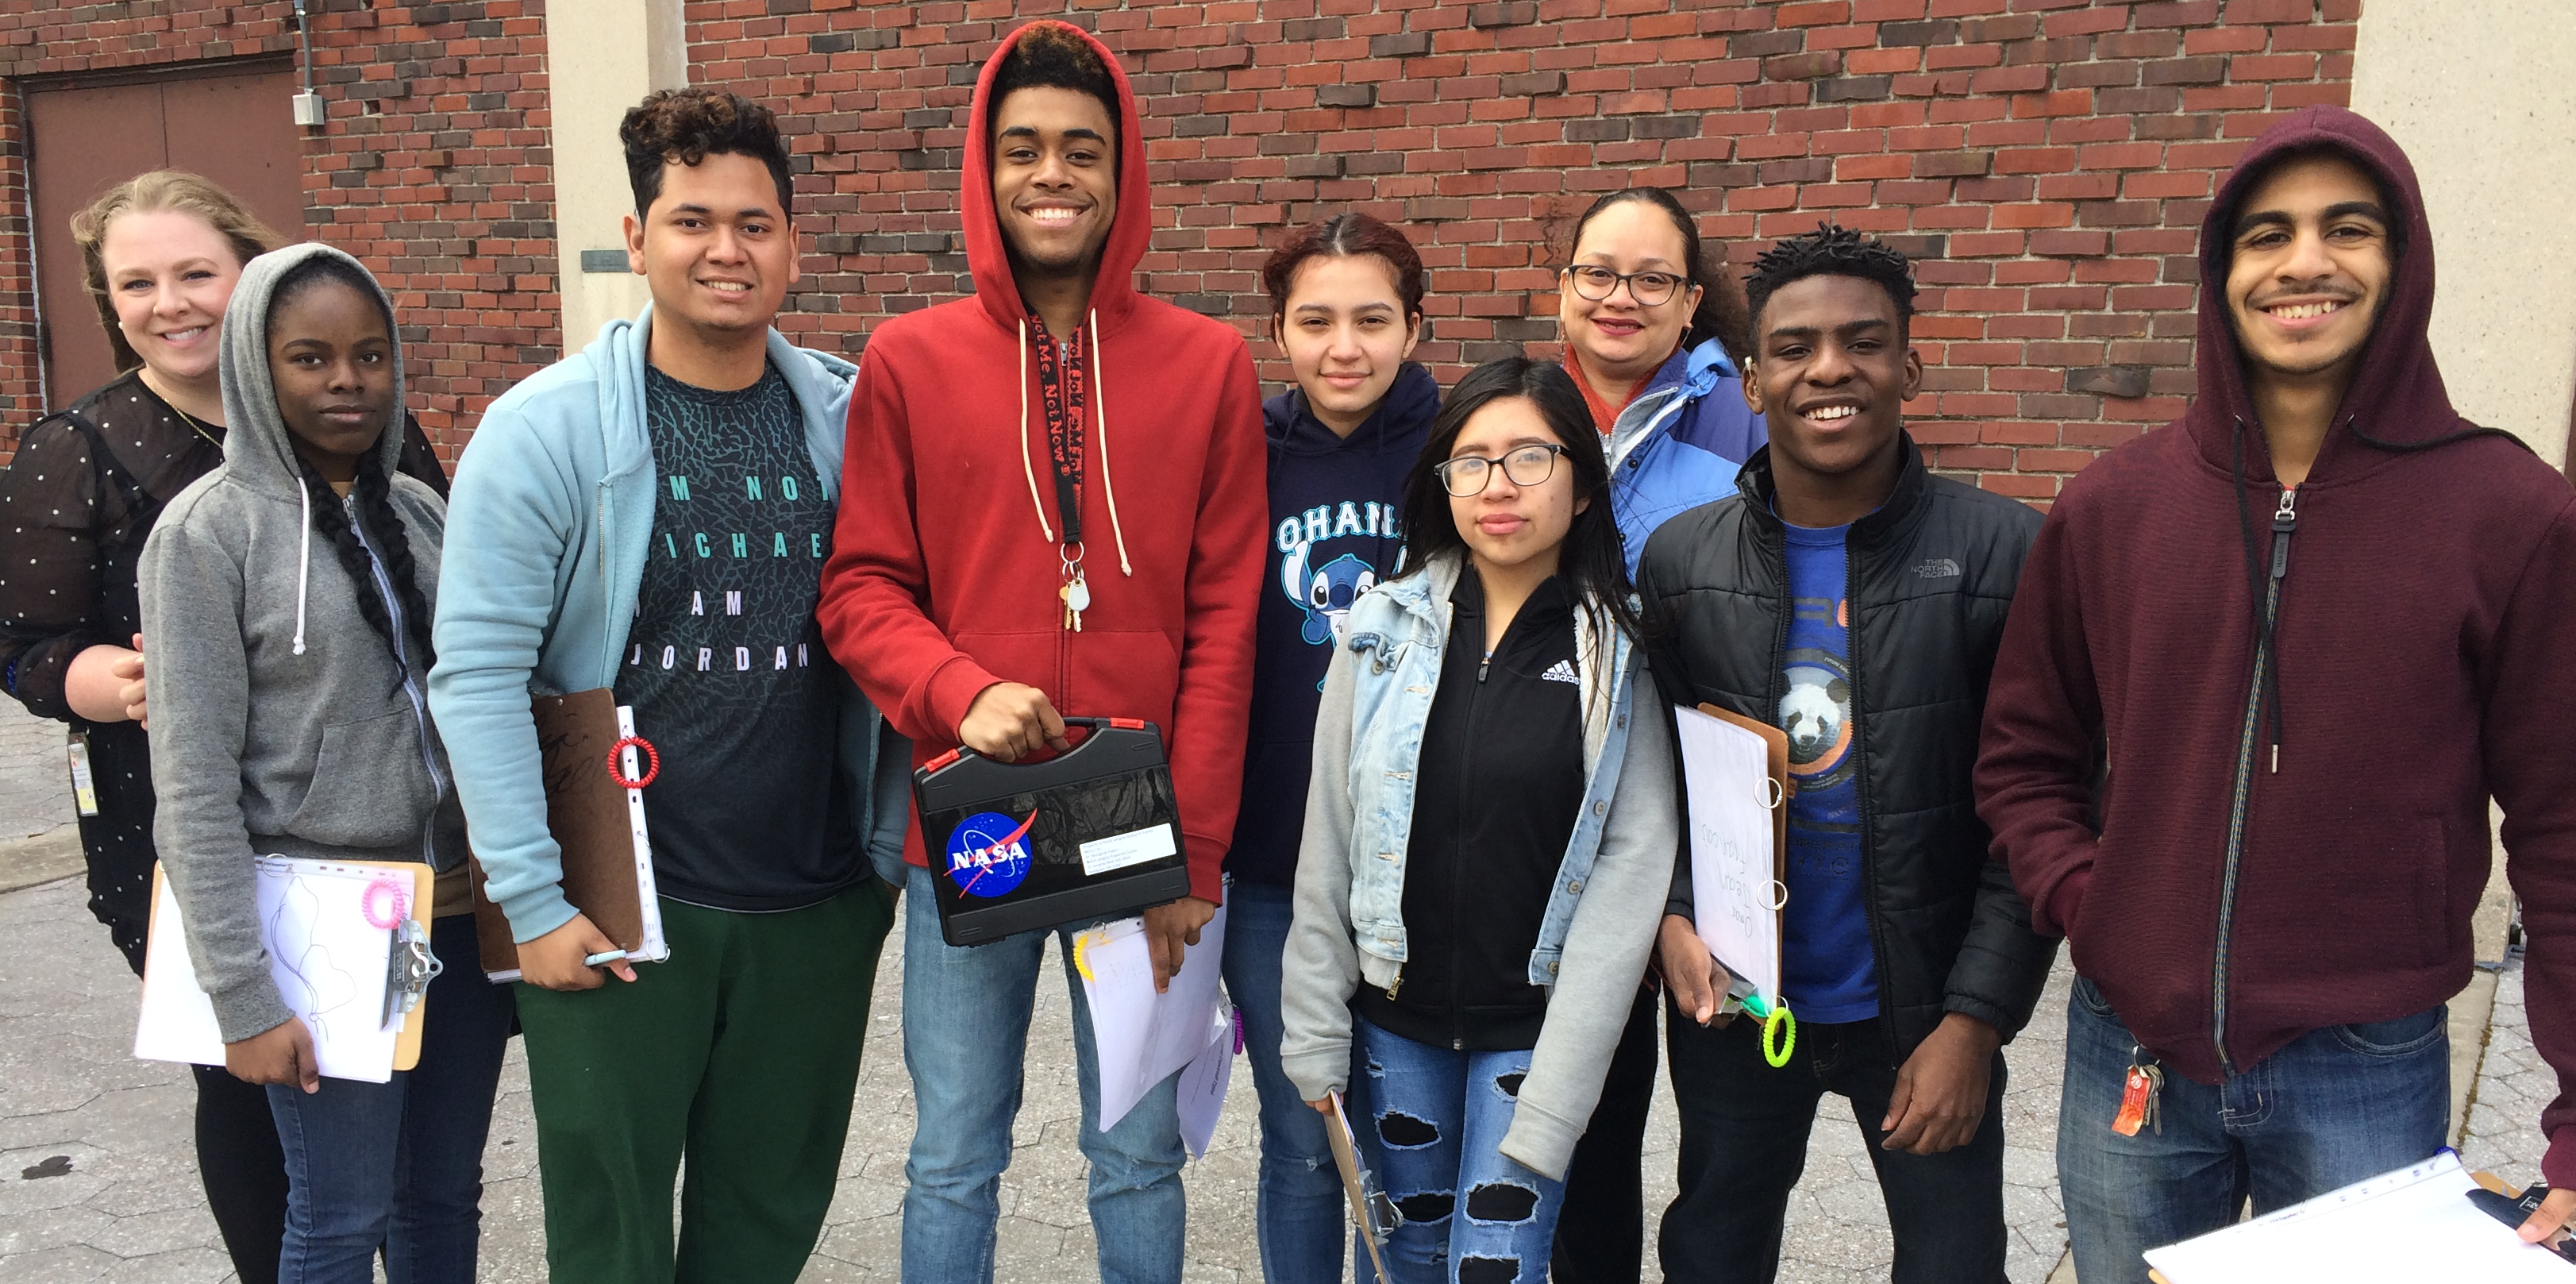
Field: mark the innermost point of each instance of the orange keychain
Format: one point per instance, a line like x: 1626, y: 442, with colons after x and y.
x: 2138, y: 1100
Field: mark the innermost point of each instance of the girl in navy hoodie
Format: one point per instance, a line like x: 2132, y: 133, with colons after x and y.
x: 1346, y: 304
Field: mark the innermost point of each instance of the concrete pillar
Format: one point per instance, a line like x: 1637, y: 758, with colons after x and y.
x: 2481, y: 94
x: 602, y: 57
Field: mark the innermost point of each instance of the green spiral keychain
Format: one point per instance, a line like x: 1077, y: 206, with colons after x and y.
x: 1779, y: 1028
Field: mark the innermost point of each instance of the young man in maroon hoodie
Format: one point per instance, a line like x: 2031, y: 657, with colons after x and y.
x: 1058, y: 511
x: 2267, y: 666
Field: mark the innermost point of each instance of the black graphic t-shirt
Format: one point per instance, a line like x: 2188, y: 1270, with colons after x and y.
x: 725, y: 664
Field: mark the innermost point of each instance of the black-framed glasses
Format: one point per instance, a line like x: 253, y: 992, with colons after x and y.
x: 1598, y: 283
x: 1469, y: 475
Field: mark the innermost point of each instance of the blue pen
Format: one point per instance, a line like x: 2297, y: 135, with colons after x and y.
x: 603, y: 958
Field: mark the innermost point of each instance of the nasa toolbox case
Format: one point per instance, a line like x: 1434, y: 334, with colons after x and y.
x: 1093, y: 833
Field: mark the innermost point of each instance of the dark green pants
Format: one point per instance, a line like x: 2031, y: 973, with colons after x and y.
x: 741, y: 1053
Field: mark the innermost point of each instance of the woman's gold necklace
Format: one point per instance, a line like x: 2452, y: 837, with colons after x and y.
x: 192, y: 424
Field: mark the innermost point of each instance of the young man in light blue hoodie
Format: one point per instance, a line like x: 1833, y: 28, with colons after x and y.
x: 653, y: 516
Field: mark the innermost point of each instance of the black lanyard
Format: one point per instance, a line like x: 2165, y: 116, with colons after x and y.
x: 1061, y: 395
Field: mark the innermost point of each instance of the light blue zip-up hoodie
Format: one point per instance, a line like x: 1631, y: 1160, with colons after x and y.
x: 1678, y: 443
x: 1601, y: 914
x: 549, y: 523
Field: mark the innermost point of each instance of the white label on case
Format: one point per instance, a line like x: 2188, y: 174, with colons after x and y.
x: 1103, y: 855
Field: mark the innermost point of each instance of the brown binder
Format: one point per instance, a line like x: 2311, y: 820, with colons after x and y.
x: 587, y: 812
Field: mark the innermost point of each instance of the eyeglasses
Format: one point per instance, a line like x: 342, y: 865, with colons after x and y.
x: 1647, y: 288
x: 1468, y: 475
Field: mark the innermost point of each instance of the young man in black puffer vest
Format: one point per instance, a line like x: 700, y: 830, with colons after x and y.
x: 1849, y: 597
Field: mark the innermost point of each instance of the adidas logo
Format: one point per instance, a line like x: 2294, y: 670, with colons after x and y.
x: 1937, y: 568
x: 1561, y: 671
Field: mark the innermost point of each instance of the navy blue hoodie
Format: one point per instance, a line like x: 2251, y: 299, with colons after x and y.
x: 1334, y: 503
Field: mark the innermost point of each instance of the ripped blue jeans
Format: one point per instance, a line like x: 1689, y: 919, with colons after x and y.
x: 1436, y: 1125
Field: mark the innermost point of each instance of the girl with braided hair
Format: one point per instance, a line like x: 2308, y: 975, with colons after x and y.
x: 286, y: 610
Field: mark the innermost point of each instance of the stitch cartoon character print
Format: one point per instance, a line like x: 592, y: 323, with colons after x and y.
x: 1325, y: 561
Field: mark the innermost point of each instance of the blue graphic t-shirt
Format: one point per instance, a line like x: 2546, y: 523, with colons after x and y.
x: 1826, y: 959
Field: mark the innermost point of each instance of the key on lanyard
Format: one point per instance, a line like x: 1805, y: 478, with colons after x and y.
x: 1076, y: 593
x: 2140, y: 1097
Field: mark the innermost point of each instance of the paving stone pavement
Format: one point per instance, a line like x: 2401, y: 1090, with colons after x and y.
x: 98, y: 1179
x: 35, y: 782
x: 126, y: 1205
x: 2503, y: 1132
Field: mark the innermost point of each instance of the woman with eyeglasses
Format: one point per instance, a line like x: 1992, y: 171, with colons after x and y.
x: 1489, y: 835
x: 1649, y: 319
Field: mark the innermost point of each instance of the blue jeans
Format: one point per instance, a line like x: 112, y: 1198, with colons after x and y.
x: 965, y: 1040
x: 1299, y: 1208
x: 2337, y: 1106
x: 1437, y: 1124
x: 399, y: 1164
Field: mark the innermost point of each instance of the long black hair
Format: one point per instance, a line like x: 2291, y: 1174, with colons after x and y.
x: 1590, y: 559
x: 1721, y: 314
x: 373, y: 490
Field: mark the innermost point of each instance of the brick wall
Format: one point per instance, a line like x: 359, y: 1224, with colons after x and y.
x: 433, y: 170
x: 2048, y: 161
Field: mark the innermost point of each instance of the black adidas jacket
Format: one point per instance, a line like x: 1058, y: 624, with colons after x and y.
x: 1932, y: 576
x: 1496, y: 794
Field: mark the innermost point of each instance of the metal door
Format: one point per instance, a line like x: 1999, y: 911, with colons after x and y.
x: 233, y: 125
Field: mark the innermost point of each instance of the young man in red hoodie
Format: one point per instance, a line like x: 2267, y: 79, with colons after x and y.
x: 2267, y: 667
x: 1058, y: 511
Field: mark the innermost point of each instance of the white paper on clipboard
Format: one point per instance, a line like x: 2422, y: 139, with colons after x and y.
x: 2404, y: 1227
x: 656, y: 948
x: 1726, y: 775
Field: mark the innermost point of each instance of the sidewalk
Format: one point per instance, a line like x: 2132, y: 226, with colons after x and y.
x: 98, y: 1179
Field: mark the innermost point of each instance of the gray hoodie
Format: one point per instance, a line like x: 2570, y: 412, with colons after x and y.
x: 281, y: 723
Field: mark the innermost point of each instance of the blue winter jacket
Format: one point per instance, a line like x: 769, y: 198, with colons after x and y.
x: 1678, y: 443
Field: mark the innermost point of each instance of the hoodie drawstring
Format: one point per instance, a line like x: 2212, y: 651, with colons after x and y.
x: 1100, y: 407
x: 1025, y: 470
x: 303, y: 560
x: 1100, y: 400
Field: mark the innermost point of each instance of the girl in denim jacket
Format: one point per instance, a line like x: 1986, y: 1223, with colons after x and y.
x: 1489, y: 834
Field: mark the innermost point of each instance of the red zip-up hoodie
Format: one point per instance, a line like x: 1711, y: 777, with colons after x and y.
x: 2425, y: 651
x: 942, y: 582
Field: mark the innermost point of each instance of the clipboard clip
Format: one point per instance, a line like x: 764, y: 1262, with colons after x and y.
x: 409, y: 968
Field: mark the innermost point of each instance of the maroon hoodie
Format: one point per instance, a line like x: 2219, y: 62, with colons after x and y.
x: 2424, y: 641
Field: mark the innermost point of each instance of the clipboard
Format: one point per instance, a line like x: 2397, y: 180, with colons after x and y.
x: 1364, y: 1216
x: 595, y: 770
x: 177, y: 1020
x: 2401, y: 1227
x: 1715, y: 745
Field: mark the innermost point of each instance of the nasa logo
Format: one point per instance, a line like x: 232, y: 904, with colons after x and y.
x: 988, y: 853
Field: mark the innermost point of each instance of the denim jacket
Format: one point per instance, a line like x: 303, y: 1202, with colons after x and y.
x: 1600, y: 918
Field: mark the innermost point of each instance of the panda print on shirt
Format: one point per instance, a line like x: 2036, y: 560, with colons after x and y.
x: 1828, y: 964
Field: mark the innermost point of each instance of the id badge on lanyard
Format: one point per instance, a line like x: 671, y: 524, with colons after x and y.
x: 84, y: 786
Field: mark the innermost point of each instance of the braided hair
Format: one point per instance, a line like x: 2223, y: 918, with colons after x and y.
x: 372, y: 494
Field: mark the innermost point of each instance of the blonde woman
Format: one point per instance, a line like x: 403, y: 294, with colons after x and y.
x: 161, y: 253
